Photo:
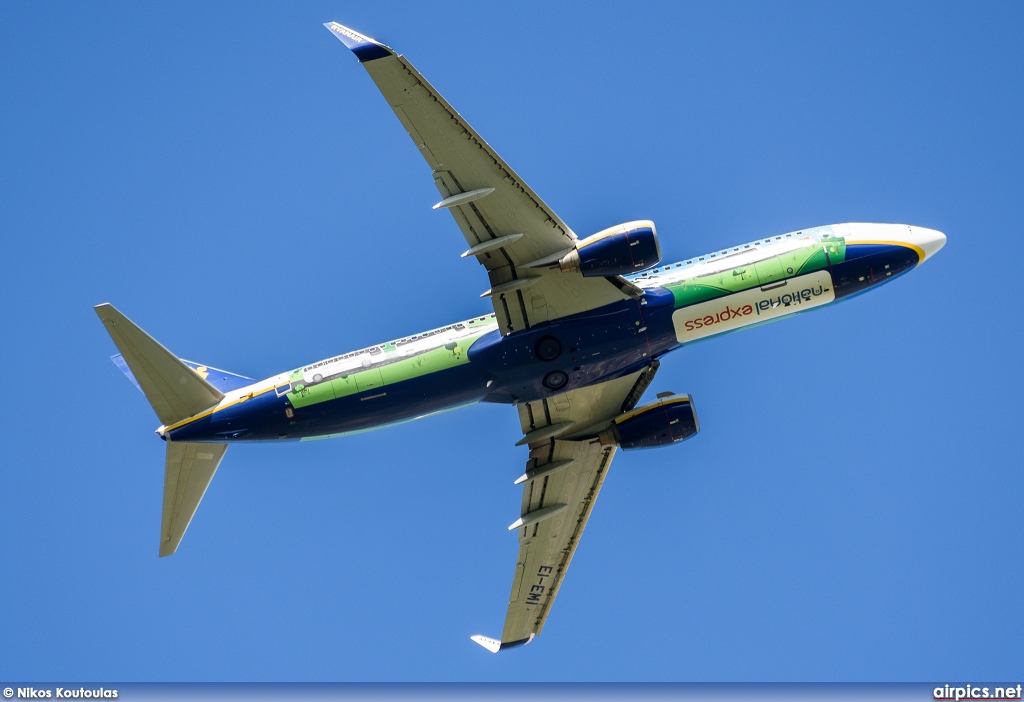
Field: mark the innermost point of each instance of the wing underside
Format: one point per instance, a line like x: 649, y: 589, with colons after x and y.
x: 507, y: 226
x: 546, y: 547
x: 519, y: 240
x: 563, y: 477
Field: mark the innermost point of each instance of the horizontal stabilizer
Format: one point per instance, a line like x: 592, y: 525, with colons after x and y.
x: 188, y: 472
x: 174, y: 390
x: 223, y: 380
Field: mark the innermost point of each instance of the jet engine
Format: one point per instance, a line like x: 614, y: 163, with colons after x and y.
x: 667, y: 421
x: 624, y: 248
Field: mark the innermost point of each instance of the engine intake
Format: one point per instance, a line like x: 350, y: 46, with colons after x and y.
x: 667, y: 421
x: 624, y: 248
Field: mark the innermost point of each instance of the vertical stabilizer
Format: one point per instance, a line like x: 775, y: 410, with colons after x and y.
x: 188, y: 472
x: 174, y: 390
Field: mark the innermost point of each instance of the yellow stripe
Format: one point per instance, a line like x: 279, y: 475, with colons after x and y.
x: 218, y: 408
x: 666, y: 401
x: 612, y: 231
x: 907, y: 244
x: 598, y: 237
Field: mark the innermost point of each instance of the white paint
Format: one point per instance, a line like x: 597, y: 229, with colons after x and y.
x: 754, y: 306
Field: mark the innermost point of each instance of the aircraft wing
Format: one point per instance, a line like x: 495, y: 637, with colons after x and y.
x: 507, y: 226
x: 564, y: 474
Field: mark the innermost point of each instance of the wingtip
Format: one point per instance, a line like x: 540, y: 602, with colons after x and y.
x: 492, y: 645
x: 365, y: 48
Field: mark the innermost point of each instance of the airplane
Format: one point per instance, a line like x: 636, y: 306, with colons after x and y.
x: 578, y: 331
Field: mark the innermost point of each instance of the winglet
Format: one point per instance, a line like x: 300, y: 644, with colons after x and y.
x: 365, y: 48
x: 493, y: 645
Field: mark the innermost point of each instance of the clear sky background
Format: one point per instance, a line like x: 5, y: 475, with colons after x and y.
x: 231, y: 179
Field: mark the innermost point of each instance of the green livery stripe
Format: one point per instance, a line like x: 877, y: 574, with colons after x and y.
x: 392, y: 368
x: 801, y: 261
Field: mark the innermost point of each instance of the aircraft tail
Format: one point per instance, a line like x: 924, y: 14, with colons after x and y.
x: 176, y: 391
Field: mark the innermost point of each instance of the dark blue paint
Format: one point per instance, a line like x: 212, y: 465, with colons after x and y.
x: 628, y: 252
x: 264, y: 418
x: 515, y: 644
x: 869, y: 265
x: 661, y: 424
x: 370, y: 52
x: 596, y: 346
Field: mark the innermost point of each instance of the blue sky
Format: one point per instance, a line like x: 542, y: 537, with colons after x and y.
x: 231, y: 179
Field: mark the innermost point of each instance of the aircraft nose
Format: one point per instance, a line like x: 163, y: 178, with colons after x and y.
x: 929, y: 240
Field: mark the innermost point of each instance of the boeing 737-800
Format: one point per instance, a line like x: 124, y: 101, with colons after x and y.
x: 577, y: 333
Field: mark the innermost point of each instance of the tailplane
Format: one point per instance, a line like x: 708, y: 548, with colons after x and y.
x: 187, y: 473
x: 175, y: 391
x: 223, y: 380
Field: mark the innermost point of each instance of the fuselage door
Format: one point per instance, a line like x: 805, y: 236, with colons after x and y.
x: 369, y: 380
x: 769, y: 271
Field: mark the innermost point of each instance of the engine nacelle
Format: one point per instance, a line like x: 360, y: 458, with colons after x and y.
x: 624, y: 248
x: 669, y: 420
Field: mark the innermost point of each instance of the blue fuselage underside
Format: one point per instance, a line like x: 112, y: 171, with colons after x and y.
x: 598, y: 345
